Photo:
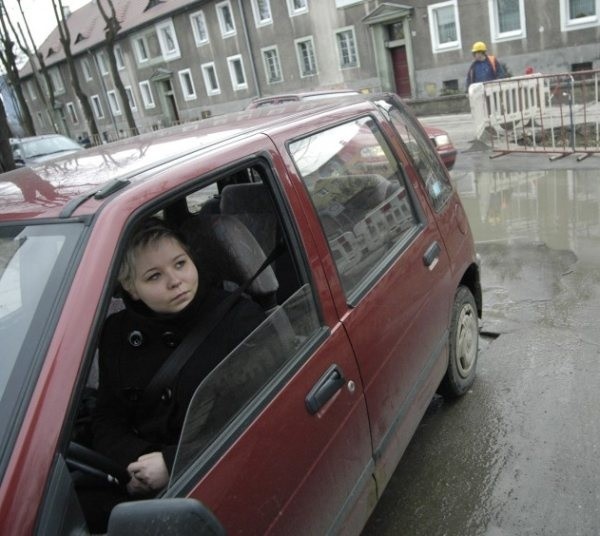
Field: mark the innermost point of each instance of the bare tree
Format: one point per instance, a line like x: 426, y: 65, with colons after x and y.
x: 113, y: 26
x: 38, y: 66
x: 6, y: 157
x: 9, y: 62
x: 65, y: 39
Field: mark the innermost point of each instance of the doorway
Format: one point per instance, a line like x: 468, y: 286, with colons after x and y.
x: 170, y: 104
x: 401, y: 71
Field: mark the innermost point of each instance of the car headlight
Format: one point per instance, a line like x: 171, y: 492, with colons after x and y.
x: 442, y: 139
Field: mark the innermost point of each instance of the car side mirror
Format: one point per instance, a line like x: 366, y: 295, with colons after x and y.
x: 161, y: 517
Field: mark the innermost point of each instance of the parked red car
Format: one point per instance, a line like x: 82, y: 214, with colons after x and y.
x: 371, y: 300
x: 440, y: 138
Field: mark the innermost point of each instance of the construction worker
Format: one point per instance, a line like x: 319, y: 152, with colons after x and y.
x: 485, y: 67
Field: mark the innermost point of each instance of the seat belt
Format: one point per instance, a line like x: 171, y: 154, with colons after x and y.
x: 158, y: 388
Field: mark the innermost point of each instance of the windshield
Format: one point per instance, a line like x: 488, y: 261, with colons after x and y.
x: 44, y: 146
x: 33, y: 262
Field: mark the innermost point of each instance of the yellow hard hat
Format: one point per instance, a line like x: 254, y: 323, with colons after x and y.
x: 479, y: 46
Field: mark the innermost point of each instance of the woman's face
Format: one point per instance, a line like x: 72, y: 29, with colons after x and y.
x: 165, y: 278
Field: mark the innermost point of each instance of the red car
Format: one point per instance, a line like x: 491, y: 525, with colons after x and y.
x: 440, y: 138
x: 366, y: 274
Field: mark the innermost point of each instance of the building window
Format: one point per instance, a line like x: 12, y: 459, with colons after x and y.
x: 199, y: 28
x: 305, y: 51
x: 236, y: 72
x: 168, y: 40
x: 102, y: 63
x: 507, y: 19
x: 395, y: 31
x: 44, y: 86
x: 56, y: 81
x: 142, y: 51
x: 225, y: 16
x: 119, y: 58
x: 346, y: 41
x: 131, y: 98
x: 210, y: 79
x: 584, y: 69
x: 113, y: 102
x: 87, y: 71
x: 272, y: 65
x: 31, y: 90
x: 444, y: 26
x: 297, y: 7
x: 262, y: 12
x: 147, y: 97
x: 72, y: 113
x: 449, y: 87
x: 577, y: 14
x: 97, y: 106
x: 187, y: 84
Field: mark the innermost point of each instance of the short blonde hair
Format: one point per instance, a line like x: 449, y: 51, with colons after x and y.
x: 150, y: 231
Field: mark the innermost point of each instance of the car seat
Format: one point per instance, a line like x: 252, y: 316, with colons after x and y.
x: 252, y: 204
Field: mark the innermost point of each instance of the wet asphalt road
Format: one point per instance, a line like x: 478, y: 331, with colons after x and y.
x: 518, y: 455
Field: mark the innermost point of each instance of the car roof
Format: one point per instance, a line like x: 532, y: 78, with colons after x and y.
x: 301, y: 95
x: 86, y: 179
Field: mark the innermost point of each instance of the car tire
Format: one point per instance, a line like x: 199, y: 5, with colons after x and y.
x: 464, y: 345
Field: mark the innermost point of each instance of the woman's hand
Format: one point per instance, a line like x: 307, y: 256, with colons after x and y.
x: 149, y: 473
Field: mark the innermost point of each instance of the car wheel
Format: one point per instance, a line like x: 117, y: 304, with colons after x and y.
x: 464, y: 345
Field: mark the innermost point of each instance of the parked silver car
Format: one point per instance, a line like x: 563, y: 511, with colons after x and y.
x: 36, y: 149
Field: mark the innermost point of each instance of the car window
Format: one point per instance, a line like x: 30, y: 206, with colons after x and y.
x: 225, y: 398
x: 34, y: 262
x: 359, y: 193
x: 431, y: 172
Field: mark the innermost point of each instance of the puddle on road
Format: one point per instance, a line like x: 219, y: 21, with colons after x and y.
x: 538, y: 234
x: 559, y: 208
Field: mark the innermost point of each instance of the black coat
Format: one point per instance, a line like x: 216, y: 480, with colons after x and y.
x: 124, y: 428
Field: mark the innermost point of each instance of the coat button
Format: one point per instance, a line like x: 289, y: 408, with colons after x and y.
x: 170, y: 339
x: 135, y: 338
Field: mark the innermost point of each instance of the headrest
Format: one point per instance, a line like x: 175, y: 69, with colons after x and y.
x: 252, y: 204
x: 224, y: 246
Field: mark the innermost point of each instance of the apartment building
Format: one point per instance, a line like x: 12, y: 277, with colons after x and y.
x: 182, y: 60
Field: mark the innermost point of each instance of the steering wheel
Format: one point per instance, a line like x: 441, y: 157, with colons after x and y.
x: 99, y: 466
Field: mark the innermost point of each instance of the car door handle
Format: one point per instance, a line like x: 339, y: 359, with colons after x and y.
x: 432, y: 256
x: 329, y: 384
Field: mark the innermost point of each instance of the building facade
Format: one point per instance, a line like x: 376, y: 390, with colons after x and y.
x: 182, y: 60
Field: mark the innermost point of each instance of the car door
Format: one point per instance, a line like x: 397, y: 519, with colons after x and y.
x: 276, y: 439
x: 388, y: 271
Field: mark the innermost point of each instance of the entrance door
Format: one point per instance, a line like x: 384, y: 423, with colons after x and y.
x: 170, y: 107
x: 401, y: 75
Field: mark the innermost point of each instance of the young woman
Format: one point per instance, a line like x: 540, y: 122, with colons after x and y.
x: 165, y: 297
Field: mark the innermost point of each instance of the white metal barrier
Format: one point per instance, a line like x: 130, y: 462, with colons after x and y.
x: 557, y: 114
